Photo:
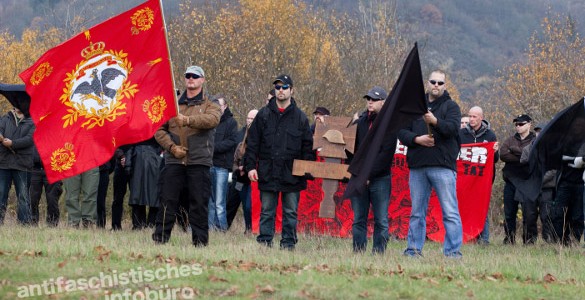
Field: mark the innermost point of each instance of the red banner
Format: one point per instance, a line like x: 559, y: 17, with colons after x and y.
x: 108, y: 86
x: 474, y: 185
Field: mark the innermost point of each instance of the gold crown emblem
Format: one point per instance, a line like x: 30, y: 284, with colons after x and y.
x: 93, y: 49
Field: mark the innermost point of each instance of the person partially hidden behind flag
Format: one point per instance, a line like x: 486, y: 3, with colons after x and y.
x: 568, y: 215
x: 433, y: 145
x: 377, y: 192
x: 188, y: 143
x: 478, y: 130
x: 16, y: 162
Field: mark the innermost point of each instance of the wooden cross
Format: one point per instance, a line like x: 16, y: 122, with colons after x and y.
x: 331, y: 139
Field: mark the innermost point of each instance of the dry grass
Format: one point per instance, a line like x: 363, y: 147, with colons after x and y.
x: 235, y: 265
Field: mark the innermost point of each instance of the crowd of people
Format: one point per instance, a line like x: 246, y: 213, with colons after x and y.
x: 181, y: 175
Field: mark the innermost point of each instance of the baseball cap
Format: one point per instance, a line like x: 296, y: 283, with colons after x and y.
x: 377, y: 93
x: 321, y: 110
x: 284, y: 79
x: 522, y: 118
x: 197, y: 70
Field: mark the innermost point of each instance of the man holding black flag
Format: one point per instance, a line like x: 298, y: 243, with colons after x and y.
x: 433, y: 145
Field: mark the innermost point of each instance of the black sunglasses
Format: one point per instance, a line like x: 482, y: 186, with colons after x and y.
x: 433, y: 82
x: 191, y: 75
x: 520, y: 124
x: 372, y: 99
x: 284, y: 87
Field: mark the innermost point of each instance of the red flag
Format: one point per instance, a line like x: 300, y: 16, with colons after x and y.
x: 108, y: 86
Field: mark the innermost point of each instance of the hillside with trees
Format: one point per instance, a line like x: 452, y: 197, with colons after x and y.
x: 334, y: 48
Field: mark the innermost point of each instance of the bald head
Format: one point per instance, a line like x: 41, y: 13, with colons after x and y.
x: 475, y: 117
x: 251, y: 115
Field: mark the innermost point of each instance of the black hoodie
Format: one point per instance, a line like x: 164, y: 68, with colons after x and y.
x: 446, y: 134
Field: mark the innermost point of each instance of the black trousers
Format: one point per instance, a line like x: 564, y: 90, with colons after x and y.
x: 140, y: 219
x: 121, y: 180
x: 198, y: 183
x: 101, y: 198
x: 232, y: 203
x: 53, y: 191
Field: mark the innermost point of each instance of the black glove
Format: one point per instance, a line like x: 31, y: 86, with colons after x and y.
x: 345, y: 180
x: 308, y: 176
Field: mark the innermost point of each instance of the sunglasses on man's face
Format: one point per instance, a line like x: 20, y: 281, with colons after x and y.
x: 520, y: 124
x: 284, y: 87
x: 191, y: 75
x: 372, y: 99
x: 433, y: 82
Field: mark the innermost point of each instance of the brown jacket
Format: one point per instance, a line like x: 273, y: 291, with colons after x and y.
x: 197, y: 136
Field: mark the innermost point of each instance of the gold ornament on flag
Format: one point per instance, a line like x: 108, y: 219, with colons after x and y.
x: 155, y: 108
x: 63, y: 159
x: 94, y: 90
x: 42, y: 71
x: 142, y: 20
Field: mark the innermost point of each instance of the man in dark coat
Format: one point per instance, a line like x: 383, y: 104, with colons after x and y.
x: 279, y: 135
x: 377, y: 191
x: 510, y: 153
x: 226, y: 139
x: 143, y: 163
x: 16, y: 161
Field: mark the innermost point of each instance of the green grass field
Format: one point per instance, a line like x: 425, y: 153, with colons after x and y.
x: 100, y: 264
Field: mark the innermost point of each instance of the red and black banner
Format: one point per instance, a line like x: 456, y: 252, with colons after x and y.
x: 474, y: 185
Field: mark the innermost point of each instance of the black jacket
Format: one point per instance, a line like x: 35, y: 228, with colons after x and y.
x: 483, y: 135
x: 446, y: 134
x: 226, y: 139
x: 385, y: 155
x: 274, y: 141
x: 20, y: 155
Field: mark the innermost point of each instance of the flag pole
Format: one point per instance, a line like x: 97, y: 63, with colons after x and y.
x: 162, y: 12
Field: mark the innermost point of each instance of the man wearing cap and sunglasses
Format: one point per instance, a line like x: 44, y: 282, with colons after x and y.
x: 510, y: 153
x: 188, y: 140
x: 279, y: 134
x: 377, y: 192
x: 433, y: 145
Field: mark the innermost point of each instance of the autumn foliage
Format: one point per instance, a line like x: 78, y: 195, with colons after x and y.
x: 550, y: 79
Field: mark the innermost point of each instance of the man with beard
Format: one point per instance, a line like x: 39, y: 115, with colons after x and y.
x: 433, y: 145
x: 279, y: 135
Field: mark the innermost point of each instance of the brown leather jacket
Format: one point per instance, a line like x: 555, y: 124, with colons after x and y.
x: 197, y: 136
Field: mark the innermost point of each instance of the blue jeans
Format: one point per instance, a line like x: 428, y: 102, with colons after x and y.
x: 217, y: 218
x: 443, y: 180
x: 377, y: 195
x: 484, y: 235
x: 290, y: 204
x: 21, y: 185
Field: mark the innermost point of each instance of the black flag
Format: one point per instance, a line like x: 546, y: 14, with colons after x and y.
x: 17, y: 96
x: 405, y: 103
x: 565, y: 131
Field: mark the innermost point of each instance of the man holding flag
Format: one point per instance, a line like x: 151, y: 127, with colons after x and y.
x: 188, y: 140
x: 433, y: 146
